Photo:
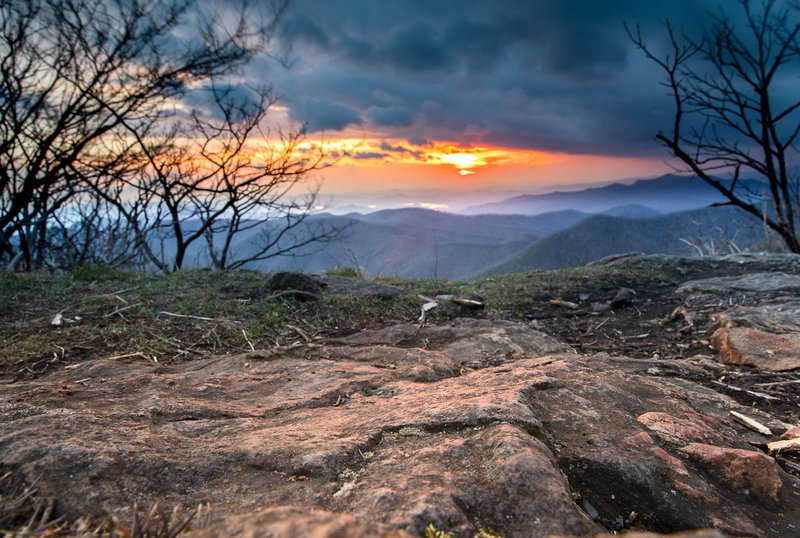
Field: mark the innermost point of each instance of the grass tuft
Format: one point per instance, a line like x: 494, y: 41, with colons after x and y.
x: 348, y: 272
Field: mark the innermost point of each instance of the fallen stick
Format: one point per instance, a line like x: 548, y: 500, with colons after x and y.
x: 777, y: 383
x: 249, y: 343
x: 299, y: 331
x: 636, y: 336
x: 750, y: 392
x: 750, y: 423
x: 199, y: 317
x: 118, y: 292
x: 470, y: 303
x: 125, y: 356
x: 117, y: 311
x: 784, y: 446
x: 567, y: 314
x: 563, y: 304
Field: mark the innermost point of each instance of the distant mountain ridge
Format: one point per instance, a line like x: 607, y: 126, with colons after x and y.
x: 686, y: 232
x: 423, y: 243
x: 665, y: 194
x: 416, y: 243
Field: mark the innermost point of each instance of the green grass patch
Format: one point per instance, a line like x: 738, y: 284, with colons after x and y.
x: 198, y: 313
x: 348, y: 272
x: 92, y: 273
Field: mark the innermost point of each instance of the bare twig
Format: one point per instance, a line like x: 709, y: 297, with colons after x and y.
x: 118, y: 310
x: 118, y: 292
x: 777, y: 383
x: 299, y: 331
x: 750, y: 392
x: 199, y: 317
x: 125, y: 356
x: 751, y: 423
x: 249, y: 343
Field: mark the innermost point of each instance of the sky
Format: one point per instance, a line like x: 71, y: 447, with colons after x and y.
x: 467, y: 95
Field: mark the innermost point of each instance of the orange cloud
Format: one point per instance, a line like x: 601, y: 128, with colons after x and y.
x: 459, y: 159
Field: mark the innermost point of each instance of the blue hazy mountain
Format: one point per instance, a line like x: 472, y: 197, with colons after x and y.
x: 665, y: 194
x: 693, y: 232
x: 591, y: 224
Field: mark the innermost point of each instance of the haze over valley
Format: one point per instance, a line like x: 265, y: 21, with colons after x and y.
x: 669, y: 215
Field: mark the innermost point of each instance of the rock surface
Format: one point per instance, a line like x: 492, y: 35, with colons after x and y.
x: 757, y: 348
x: 475, y: 426
x: 762, y: 330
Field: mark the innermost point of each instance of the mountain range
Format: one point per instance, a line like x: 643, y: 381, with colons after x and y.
x: 665, y: 194
x: 582, y: 226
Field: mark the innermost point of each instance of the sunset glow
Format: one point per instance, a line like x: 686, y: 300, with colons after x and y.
x: 452, y: 158
x: 400, y: 98
x: 463, y: 161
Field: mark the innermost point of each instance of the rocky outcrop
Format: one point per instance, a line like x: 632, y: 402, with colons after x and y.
x: 757, y: 348
x: 472, y: 427
x: 764, y: 287
x: 757, y: 321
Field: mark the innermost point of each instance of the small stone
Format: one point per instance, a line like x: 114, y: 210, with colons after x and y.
x: 303, y: 286
x: 624, y: 297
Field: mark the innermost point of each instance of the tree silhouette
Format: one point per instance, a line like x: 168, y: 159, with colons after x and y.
x: 93, y: 137
x: 737, y: 108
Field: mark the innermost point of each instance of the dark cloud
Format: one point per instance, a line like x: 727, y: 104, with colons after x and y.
x: 418, y: 141
x: 319, y: 115
x: 534, y: 74
x: 480, y: 45
x: 300, y: 27
x: 415, y: 48
x: 369, y: 155
x: 392, y: 116
x: 385, y: 146
x: 356, y: 49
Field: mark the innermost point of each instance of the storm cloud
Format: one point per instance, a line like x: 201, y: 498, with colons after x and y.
x: 527, y: 74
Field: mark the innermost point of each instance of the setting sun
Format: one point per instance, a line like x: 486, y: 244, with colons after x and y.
x: 461, y: 161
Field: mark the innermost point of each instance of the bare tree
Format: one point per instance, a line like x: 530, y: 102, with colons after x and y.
x: 216, y: 174
x: 737, y: 108
x: 90, y: 231
x: 255, y: 184
x: 80, y: 78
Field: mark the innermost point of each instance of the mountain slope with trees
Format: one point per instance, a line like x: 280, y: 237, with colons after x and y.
x: 697, y: 232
